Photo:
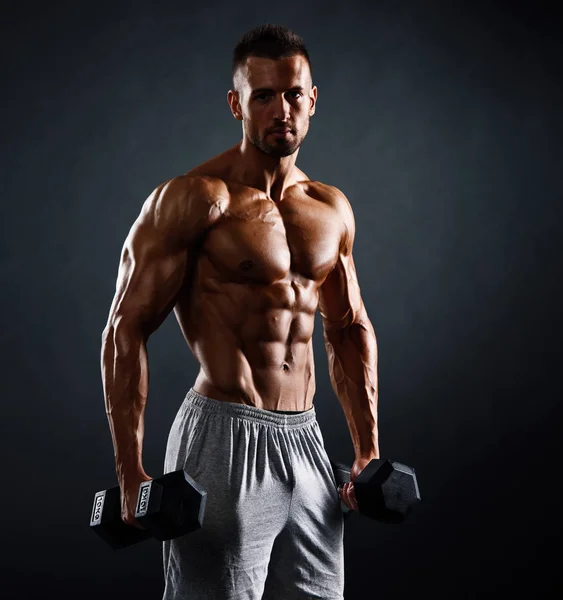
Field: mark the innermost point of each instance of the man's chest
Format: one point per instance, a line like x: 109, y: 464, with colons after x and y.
x: 264, y: 241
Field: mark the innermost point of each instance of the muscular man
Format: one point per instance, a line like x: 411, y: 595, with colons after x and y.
x: 245, y: 248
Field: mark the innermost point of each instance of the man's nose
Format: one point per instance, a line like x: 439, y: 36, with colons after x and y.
x: 281, y: 108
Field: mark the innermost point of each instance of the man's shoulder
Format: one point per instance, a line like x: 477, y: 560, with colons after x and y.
x: 327, y: 193
x: 186, y: 205
x: 336, y: 198
x: 191, y: 192
x: 197, y: 185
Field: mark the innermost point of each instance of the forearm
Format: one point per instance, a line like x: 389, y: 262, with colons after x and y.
x: 352, y: 359
x: 124, y: 367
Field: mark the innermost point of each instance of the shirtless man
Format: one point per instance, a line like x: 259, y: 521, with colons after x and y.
x: 245, y: 248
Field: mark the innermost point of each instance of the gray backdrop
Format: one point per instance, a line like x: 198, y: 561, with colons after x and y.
x: 442, y: 123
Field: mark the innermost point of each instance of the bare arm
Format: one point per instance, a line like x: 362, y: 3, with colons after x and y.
x: 351, y: 344
x: 158, y: 252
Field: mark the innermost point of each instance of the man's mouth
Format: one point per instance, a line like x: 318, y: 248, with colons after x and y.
x: 281, y: 132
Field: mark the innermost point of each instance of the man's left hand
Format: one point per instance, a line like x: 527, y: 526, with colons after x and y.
x: 347, y: 494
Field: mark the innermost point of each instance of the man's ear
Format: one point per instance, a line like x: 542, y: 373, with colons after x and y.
x: 314, y: 101
x: 234, y: 103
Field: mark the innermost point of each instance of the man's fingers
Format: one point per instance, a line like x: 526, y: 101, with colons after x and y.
x: 351, y: 497
x: 348, y: 496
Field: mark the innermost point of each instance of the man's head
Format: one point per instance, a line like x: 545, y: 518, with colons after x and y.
x: 272, y: 89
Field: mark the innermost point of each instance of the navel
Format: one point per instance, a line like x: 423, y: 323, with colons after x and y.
x: 245, y: 265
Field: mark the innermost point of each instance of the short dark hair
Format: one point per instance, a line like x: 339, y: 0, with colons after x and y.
x: 268, y: 41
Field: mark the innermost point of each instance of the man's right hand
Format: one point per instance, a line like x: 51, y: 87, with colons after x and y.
x: 129, y: 486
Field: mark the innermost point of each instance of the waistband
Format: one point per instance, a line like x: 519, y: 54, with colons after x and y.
x: 251, y: 413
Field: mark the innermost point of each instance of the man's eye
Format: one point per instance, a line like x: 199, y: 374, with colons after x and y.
x: 296, y: 94
x: 262, y: 96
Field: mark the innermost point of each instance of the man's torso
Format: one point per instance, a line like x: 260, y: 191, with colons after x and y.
x: 247, y: 308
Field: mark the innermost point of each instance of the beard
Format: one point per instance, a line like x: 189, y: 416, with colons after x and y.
x: 279, y: 147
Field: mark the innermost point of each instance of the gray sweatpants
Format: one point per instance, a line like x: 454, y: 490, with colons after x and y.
x: 273, y: 525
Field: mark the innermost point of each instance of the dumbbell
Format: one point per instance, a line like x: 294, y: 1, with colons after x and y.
x: 168, y: 507
x: 385, y: 490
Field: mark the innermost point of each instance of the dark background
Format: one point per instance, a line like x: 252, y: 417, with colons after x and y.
x: 442, y: 123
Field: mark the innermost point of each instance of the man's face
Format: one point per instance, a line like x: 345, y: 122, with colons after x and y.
x: 275, y: 94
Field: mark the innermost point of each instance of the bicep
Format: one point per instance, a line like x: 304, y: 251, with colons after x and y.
x: 150, y: 275
x: 158, y: 252
x: 340, y: 300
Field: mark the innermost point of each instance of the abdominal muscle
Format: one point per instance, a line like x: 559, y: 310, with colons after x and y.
x: 269, y: 388
x: 250, y: 350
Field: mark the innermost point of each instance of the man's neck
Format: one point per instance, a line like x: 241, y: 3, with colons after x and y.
x: 270, y: 174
